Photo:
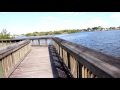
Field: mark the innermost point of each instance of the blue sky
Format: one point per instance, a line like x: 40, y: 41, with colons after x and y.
x: 25, y: 22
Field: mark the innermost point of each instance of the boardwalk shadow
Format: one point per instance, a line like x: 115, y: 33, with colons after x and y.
x: 58, y: 68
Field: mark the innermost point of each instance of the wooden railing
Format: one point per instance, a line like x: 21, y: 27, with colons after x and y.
x: 13, y: 51
x: 81, y: 61
x: 41, y: 41
x: 84, y: 62
x: 12, y: 55
x: 7, y: 42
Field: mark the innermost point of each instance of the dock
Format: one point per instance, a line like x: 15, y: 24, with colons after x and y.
x: 35, y: 65
x: 52, y: 57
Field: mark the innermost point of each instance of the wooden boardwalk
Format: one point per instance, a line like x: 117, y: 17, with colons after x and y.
x: 35, y: 65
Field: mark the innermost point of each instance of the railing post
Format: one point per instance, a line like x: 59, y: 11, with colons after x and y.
x: 6, y: 43
x: 46, y: 42
x: 2, y: 44
x: 79, y: 70
x: 39, y: 42
x: 65, y: 57
x: 1, y: 70
x: 58, y: 49
x: 88, y: 74
x: 32, y: 42
x: 83, y: 73
x: 13, y: 60
x: 61, y: 52
x: 10, y: 42
x: 68, y: 57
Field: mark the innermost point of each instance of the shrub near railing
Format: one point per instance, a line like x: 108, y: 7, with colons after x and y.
x: 11, y: 56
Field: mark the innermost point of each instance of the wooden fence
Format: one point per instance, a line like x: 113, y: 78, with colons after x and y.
x: 11, y: 56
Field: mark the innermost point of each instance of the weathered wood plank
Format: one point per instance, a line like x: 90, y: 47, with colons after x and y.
x: 35, y: 65
x: 1, y: 70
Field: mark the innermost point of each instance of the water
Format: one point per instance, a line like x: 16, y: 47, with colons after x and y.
x: 104, y: 41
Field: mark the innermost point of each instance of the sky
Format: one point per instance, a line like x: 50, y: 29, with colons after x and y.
x: 28, y: 22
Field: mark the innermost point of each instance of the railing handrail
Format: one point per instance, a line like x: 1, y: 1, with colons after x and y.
x: 26, y: 38
x: 101, y: 64
x: 4, y: 51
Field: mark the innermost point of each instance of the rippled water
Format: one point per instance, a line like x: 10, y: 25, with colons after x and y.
x: 104, y: 41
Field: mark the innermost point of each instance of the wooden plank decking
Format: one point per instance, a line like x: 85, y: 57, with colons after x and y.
x: 35, y: 65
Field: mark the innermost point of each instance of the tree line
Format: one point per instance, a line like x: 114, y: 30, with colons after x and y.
x: 52, y: 32
x: 5, y: 35
x: 99, y: 28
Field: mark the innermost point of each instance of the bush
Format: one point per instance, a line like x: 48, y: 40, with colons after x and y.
x: 4, y: 34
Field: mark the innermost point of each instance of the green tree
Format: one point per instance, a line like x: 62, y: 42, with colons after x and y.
x: 118, y: 27
x: 88, y: 29
x: 29, y: 34
x: 4, y: 34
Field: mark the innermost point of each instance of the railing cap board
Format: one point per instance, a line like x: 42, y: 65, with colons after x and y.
x: 99, y: 63
x: 25, y: 39
x: 4, y: 51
